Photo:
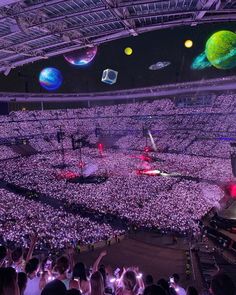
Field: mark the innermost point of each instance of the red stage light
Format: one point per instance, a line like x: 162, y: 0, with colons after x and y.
x: 66, y: 175
x: 147, y: 149
x: 148, y: 172
x: 232, y: 190
x: 145, y: 158
x: 100, y: 147
x: 81, y: 164
x: 142, y: 158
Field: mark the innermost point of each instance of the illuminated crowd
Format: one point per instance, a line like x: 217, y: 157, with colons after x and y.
x: 168, y: 203
x: 192, y: 153
x: 23, y: 273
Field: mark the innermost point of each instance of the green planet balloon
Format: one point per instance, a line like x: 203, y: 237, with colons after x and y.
x: 221, y: 50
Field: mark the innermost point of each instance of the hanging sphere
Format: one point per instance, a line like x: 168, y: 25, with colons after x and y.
x: 50, y: 78
x: 81, y: 57
x: 188, y: 43
x: 128, y: 50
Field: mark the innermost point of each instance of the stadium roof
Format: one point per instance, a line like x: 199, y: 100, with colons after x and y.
x: 31, y: 30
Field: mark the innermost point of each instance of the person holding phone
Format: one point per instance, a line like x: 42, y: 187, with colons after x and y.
x: 80, y: 279
x: 174, y: 283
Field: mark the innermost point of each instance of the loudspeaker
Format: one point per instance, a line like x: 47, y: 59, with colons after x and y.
x: 60, y: 136
x: 4, y: 108
x: 109, y: 76
x: 77, y: 142
x: 233, y: 163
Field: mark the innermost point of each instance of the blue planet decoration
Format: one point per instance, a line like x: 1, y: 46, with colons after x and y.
x: 82, y: 56
x: 50, y: 78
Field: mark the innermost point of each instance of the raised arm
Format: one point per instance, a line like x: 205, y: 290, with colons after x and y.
x: 33, y: 241
x: 98, y: 260
x: 70, y: 252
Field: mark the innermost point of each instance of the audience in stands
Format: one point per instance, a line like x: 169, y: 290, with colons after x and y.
x: 222, y: 284
x: 173, y: 204
x: 192, y: 291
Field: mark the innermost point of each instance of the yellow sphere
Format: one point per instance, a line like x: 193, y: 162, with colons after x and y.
x: 128, y: 50
x: 188, y: 43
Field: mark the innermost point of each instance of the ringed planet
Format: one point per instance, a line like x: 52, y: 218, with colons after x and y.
x: 221, y: 49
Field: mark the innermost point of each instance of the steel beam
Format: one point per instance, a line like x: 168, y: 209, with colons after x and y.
x: 204, y: 8
x: 8, y: 2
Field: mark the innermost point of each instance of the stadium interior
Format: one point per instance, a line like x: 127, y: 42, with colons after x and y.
x: 128, y: 189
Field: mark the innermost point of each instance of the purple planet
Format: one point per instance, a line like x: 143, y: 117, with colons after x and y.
x: 81, y: 57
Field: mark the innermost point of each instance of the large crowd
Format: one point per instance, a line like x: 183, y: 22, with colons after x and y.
x: 172, y: 202
x: 188, y: 130
x: 193, y: 154
x: 23, y: 273
x: 55, y: 228
x: 166, y: 203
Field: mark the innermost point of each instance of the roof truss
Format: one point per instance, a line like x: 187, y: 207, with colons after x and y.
x: 32, y: 30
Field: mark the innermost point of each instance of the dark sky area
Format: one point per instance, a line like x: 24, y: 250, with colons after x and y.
x: 162, y: 45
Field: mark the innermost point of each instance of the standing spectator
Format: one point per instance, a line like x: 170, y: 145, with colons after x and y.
x: 79, y: 278
x: 154, y: 290
x: 62, y: 266
x: 131, y: 284
x: 97, y: 284
x: 175, y: 285
x: 222, y: 284
x: 148, y: 280
x: 192, y: 291
x: 3, y: 254
x: 35, y: 284
x: 165, y: 285
x: 22, y: 282
x: 8, y: 281
x: 17, y: 260
x: 56, y: 287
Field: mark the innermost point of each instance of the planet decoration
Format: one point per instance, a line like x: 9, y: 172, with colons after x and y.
x: 50, y: 78
x: 128, y: 50
x: 188, y: 43
x: 159, y: 65
x: 82, y: 56
x: 200, y: 62
x: 221, y: 50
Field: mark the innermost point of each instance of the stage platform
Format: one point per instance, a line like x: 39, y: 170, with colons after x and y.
x: 89, y: 179
x: 229, y: 213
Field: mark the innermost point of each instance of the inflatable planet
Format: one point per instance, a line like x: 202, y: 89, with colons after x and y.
x: 188, y: 43
x: 128, y: 50
x: 221, y: 50
x: 81, y: 57
x: 50, y: 79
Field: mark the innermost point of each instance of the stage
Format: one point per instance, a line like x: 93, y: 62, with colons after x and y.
x: 229, y: 213
x: 89, y: 179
